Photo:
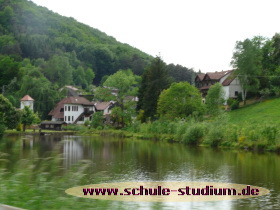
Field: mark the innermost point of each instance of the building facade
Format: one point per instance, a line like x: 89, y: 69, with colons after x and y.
x: 73, y: 110
x: 230, y: 83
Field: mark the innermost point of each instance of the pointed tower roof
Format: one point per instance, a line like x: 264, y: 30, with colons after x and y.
x: 27, y: 98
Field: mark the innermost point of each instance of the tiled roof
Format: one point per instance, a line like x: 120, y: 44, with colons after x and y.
x: 77, y: 100
x: 200, y: 76
x: 218, y: 75
x: 69, y: 100
x: 27, y: 98
x: 228, y: 81
x: 102, y: 105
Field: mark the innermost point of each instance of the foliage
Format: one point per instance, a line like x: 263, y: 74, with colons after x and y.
x: 2, y: 129
x: 233, y: 103
x: 180, y: 73
x: 58, y: 70
x: 28, y: 117
x: 39, y: 88
x: 180, y: 100
x: 154, y: 80
x: 247, y: 60
x: 9, y: 68
x: 30, y: 31
x: 214, y: 136
x: 97, y: 120
x: 215, y: 99
x: 193, y: 134
x: 9, y: 116
x: 125, y: 83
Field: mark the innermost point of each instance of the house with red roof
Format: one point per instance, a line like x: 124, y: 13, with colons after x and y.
x: 104, y: 107
x: 231, y: 84
x: 73, y: 110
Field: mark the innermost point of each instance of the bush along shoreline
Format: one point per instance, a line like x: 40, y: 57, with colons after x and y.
x: 218, y: 132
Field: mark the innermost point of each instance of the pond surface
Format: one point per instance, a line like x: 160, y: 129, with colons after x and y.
x: 127, y: 160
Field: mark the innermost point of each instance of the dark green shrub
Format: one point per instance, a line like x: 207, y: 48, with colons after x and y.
x: 233, y: 103
x: 2, y: 129
x: 215, y: 136
x: 193, y: 134
x: 97, y: 120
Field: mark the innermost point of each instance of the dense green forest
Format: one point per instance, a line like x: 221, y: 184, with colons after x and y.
x: 41, y: 51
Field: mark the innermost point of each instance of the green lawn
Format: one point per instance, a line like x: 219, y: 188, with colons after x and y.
x: 262, y: 112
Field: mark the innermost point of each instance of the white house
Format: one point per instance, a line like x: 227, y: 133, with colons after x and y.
x: 73, y: 110
x: 231, y: 84
x: 27, y: 101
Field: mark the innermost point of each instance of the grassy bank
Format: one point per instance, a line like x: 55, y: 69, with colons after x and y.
x: 253, y: 127
x: 258, y: 113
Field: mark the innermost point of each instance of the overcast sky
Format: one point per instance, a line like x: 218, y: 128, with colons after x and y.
x: 199, y: 34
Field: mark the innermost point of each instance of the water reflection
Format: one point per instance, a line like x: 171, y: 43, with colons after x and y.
x: 119, y: 160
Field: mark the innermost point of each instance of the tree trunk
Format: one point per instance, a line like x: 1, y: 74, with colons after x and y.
x: 24, y: 127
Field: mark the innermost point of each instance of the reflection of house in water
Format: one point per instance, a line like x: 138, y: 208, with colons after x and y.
x: 72, y: 152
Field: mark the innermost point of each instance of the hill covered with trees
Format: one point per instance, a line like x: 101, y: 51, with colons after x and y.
x: 42, y: 51
x: 34, y: 32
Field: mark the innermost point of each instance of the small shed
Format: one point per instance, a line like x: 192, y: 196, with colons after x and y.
x: 53, y: 125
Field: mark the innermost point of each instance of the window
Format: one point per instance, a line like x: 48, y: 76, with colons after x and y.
x: 69, y: 108
x: 72, y: 118
x: 72, y: 108
x: 47, y: 126
x: 65, y: 118
x: 65, y: 108
x: 77, y: 108
x: 68, y: 118
x: 236, y: 93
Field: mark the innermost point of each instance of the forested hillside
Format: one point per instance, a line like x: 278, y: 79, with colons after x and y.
x: 30, y: 31
x: 41, y: 51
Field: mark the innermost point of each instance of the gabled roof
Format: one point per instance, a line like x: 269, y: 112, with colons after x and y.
x: 200, y: 76
x: 228, y: 81
x: 100, y: 106
x: 218, y: 75
x: 56, y: 112
x: 77, y: 100
x: 27, y: 98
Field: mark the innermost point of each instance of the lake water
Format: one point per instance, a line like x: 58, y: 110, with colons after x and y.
x: 127, y: 160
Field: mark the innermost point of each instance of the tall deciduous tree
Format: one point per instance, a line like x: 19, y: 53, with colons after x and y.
x: 180, y: 100
x: 247, y: 60
x: 215, y: 99
x: 43, y: 92
x: 125, y: 83
x: 28, y: 117
x: 154, y: 80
